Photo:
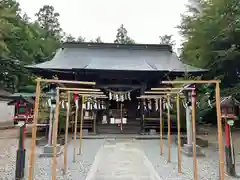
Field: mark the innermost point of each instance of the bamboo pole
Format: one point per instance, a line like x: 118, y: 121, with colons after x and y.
x: 88, y: 92
x: 81, y: 127
x: 66, y: 135
x: 169, y: 130
x: 121, y: 111
x: 170, y: 89
x: 179, y: 135
x: 79, y: 89
x: 151, y: 96
x: 160, y: 92
x: 220, y: 138
x: 94, y: 124
x: 34, y: 131
x: 194, y: 135
x: 192, y: 82
x: 67, y: 82
x: 157, y: 96
x: 218, y: 109
x: 161, y: 127
x: 55, y: 132
x: 75, y: 135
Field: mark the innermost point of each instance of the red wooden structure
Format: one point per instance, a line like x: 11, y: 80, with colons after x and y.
x: 23, y: 109
x: 229, y: 111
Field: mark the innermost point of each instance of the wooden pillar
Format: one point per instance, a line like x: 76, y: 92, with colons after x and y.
x: 34, y: 132
x: 143, y: 87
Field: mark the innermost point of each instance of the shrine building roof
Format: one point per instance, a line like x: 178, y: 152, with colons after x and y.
x: 120, y: 57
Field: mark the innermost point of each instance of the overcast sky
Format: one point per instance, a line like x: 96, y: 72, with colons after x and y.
x: 145, y: 20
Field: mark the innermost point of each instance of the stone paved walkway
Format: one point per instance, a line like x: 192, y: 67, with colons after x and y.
x: 122, y: 160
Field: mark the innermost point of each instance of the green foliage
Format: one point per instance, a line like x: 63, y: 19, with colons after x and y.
x: 48, y: 20
x: 212, y: 39
x: 212, y: 31
x: 122, y: 36
x: 23, y: 42
x: 97, y: 40
x: 167, y: 40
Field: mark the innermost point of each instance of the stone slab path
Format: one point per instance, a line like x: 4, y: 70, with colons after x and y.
x: 122, y: 160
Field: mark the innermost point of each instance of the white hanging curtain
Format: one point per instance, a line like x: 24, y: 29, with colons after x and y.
x: 149, y: 104
x: 76, y: 103
x: 156, y: 105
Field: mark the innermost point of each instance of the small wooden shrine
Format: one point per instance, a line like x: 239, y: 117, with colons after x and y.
x: 229, y: 107
x: 23, y: 108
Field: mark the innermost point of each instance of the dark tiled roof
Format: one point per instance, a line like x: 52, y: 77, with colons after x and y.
x: 27, y: 99
x: 229, y: 101
x: 109, y: 56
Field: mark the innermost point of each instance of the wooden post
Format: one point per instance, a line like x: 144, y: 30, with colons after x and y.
x: 220, y: 139
x: 121, y: 114
x: 55, y: 132
x: 94, y: 123
x: 194, y: 134
x: 161, y: 126
x: 81, y: 127
x: 67, y: 82
x: 142, y: 113
x: 66, y: 135
x: 34, y: 131
x: 169, y: 129
x: 179, y: 135
x: 75, y: 134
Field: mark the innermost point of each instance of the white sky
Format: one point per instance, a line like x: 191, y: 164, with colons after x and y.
x: 145, y: 20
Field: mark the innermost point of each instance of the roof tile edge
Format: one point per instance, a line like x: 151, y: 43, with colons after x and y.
x: 120, y: 46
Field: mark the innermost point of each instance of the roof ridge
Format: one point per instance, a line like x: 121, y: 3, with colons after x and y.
x: 115, y: 45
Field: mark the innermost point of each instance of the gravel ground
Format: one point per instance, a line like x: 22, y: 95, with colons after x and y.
x: 77, y: 170
x: 42, y: 169
x: 207, y: 166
